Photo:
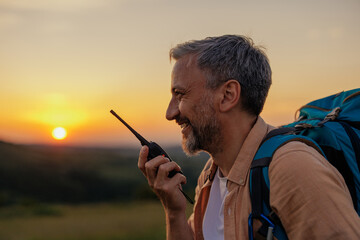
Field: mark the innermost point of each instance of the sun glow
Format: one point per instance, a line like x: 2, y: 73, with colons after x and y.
x: 59, y: 133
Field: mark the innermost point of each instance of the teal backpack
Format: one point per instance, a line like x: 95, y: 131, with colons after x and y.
x: 332, y: 126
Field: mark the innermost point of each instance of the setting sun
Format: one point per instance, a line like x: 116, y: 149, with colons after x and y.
x: 59, y: 133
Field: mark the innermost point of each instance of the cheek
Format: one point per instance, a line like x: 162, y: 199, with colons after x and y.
x: 186, y: 108
x: 181, y: 106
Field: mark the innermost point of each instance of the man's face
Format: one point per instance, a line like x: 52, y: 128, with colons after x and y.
x: 191, y: 106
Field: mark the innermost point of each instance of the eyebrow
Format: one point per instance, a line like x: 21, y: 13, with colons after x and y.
x: 177, y: 88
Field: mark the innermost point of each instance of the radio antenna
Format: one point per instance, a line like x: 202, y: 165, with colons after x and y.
x: 142, y: 140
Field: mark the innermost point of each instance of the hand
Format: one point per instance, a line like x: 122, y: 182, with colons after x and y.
x: 156, y: 172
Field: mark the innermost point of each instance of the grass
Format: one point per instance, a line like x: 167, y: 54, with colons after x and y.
x: 104, y: 221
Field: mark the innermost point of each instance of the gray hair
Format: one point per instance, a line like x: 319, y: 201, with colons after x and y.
x: 232, y: 57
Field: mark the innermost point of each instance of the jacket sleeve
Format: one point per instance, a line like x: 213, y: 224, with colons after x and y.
x: 310, y: 196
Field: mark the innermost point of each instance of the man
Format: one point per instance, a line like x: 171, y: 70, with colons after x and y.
x: 219, y: 86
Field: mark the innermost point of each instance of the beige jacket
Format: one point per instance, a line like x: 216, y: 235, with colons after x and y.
x: 307, y: 193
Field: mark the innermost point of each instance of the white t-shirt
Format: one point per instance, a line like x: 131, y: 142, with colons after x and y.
x: 213, y: 223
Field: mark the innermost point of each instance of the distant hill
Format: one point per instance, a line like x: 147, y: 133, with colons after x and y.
x: 75, y: 174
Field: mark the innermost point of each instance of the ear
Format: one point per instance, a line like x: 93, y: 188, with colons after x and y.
x: 230, y: 94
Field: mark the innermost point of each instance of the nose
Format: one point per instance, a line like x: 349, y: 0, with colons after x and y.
x: 172, y: 110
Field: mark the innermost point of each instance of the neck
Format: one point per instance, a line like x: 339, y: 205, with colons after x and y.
x: 235, y: 131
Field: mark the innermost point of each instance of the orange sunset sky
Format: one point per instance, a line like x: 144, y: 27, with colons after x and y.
x: 68, y: 63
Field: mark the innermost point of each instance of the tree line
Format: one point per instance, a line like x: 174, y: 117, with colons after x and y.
x: 59, y: 174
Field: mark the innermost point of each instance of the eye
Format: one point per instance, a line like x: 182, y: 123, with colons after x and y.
x: 178, y: 94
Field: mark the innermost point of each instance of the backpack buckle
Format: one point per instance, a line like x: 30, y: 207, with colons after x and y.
x: 267, y: 222
x: 331, y: 116
x: 303, y: 126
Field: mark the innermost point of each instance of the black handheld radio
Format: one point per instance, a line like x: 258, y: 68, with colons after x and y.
x: 154, y: 150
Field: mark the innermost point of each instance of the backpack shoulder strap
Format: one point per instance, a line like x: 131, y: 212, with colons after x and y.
x: 259, y: 180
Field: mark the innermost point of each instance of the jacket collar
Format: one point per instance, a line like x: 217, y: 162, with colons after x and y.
x: 239, y: 171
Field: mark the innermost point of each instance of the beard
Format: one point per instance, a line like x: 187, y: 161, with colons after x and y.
x: 205, y: 134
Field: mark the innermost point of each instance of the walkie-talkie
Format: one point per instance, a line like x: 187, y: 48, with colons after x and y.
x: 154, y: 150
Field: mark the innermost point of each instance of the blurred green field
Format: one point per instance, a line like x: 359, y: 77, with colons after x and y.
x: 72, y: 193
x: 101, y: 221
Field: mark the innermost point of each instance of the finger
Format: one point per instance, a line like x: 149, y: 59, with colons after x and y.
x: 166, y: 168
x: 144, y: 151
x: 181, y: 179
x: 152, y: 167
x: 169, y: 185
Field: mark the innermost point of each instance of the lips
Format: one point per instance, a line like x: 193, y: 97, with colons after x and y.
x: 184, y: 127
x: 184, y: 124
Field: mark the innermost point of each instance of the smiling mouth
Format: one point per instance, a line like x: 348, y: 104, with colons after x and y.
x: 184, y: 126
